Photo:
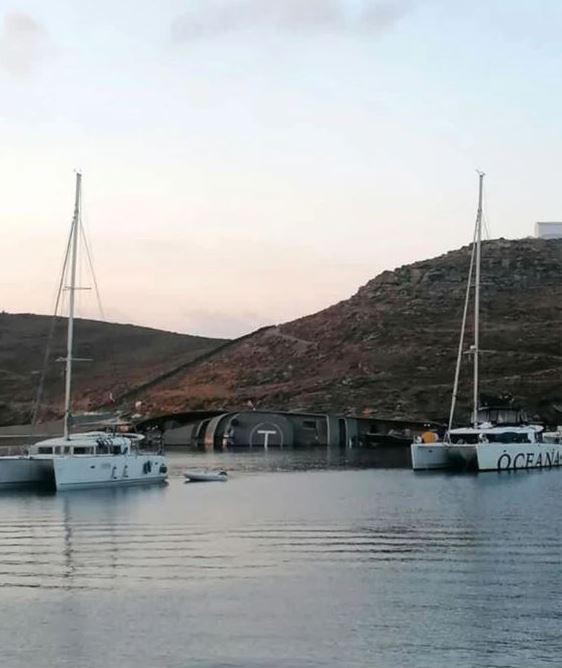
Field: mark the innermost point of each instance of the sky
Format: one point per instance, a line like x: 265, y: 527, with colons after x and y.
x: 248, y: 162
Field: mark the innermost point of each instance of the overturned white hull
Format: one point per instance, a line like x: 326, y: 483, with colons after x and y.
x: 16, y: 471
x: 83, y: 471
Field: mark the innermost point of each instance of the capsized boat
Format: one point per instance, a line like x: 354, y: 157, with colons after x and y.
x: 206, y: 476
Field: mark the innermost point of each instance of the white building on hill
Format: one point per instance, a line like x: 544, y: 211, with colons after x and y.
x: 548, y: 230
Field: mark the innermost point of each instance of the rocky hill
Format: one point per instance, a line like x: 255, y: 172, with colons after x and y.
x: 124, y: 357
x: 391, y: 348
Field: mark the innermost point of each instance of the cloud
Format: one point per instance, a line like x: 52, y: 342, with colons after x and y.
x: 208, y: 18
x: 22, y: 43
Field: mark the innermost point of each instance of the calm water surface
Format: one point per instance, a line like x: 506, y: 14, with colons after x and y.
x: 285, y: 567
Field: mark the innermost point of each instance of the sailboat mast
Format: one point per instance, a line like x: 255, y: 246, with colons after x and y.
x: 476, y: 348
x: 72, y: 290
x: 463, y: 329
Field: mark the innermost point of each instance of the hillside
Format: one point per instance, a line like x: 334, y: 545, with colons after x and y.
x: 125, y: 357
x: 391, y: 348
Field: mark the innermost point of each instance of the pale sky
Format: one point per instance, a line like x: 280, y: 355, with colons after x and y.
x: 247, y: 162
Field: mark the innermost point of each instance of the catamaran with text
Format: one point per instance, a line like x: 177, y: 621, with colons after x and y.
x: 497, y: 440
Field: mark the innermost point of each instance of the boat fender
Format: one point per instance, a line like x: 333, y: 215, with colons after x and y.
x: 114, y: 473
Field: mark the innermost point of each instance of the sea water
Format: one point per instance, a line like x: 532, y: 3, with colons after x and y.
x: 297, y: 561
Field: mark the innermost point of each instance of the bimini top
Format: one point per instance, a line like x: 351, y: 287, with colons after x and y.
x: 492, y: 430
x: 486, y: 433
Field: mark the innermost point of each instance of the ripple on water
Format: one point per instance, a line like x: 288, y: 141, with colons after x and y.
x: 332, y: 568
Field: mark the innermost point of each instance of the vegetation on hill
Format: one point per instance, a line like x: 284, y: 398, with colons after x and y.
x: 391, y: 348
x: 123, y: 357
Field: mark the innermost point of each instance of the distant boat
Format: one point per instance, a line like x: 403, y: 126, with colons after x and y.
x: 91, y: 459
x: 206, y: 476
x: 485, y: 445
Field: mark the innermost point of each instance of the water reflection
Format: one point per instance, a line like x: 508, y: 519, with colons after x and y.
x: 322, y: 568
x: 260, y: 460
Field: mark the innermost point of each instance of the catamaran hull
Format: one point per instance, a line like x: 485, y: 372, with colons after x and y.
x: 23, y: 471
x: 82, y: 471
x: 437, y: 456
x: 427, y: 457
x: 516, y: 456
x: 486, y: 456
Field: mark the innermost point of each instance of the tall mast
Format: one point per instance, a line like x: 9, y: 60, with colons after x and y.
x: 476, y: 347
x: 72, y: 289
x: 463, y: 329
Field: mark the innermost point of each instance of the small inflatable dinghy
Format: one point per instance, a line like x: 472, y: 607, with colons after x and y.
x: 206, y: 476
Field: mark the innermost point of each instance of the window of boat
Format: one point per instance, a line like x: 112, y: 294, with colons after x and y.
x: 116, y: 449
x: 81, y: 451
x: 45, y: 451
x: 57, y: 450
x: 512, y: 437
x: 66, y: 449
x: 464, y: 438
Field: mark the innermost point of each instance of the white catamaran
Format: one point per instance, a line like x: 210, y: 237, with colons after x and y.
x: 92, y: 459
x: 485, y: 445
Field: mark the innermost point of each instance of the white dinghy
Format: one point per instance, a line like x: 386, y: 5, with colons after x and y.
x: 206, y: 476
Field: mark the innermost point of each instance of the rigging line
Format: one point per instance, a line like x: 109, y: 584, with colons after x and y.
x: 91, y: 265
x: 487, y: 229
x: 463, y: 328
x: 47, y: 354
x: 83, y: 227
